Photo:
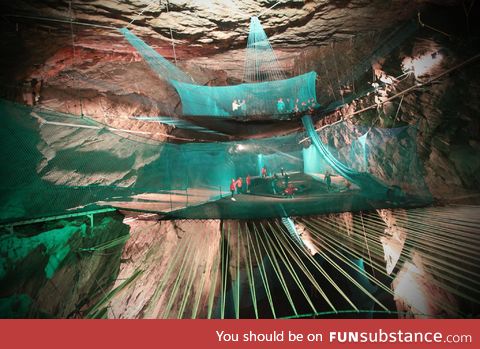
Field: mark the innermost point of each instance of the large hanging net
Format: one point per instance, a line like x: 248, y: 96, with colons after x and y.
x: 267, y: 91
x: 162, y: 66
x: 273, y: 98
x: 261, y: 63
x: 75, y: 164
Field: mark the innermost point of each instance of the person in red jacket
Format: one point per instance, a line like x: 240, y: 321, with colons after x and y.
x: 264, y: 172
x: 233, y: 186
x: 239, y: 185
x: 249, y: 181
x: 290, y: 190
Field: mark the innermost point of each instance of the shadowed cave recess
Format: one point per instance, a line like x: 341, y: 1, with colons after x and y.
x: 240, y: 159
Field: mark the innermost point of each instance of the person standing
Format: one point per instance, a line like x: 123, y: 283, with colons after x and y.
x: 243, y: 107
x: 280, y: 106
x: 303, y: 106
x: 274, y: 184
x: 235, y: 107
x: 239, y: 185
x: 233, y: 187
x: 264, y: 171
x: 291, y: 105
x: 248, y: 180
x: 328, y: 180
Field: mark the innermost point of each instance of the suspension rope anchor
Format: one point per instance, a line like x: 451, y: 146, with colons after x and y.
x: 268, y: 9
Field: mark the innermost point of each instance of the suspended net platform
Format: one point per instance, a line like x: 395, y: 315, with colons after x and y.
x: 266, y: 93
x: 73, y: 163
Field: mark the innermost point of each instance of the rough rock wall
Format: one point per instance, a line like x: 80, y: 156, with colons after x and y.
x: 179, y: 261
x: 418, y: 295
x: 446, y: 115
x: 107, y: 159
x: 442, y: 114
x: 99, y: 77
x: 59, y: 269
x: 423, y: 284
x: 394, y: 238
x: 449, y: 130
x: 217, y: 24
x: 426, y: 273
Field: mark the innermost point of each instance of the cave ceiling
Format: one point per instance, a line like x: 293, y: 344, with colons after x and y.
x: 74, y: 45
x: 207, y: 27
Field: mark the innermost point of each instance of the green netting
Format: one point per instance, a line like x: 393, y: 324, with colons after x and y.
x: 382, y: 158
x: 261, y: 63
x: 176, y: 122
x: 70, y: 163
x: 163, y: 67
x: 273, y: 98
x: 261, y: 98
x: 363, y: 179
x: 274, y: 163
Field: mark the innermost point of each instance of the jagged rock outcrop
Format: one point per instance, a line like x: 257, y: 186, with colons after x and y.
x: 394, y: 239
x: 59, y: 269
x: 418, y: 294
x: 215, y: 23
x: 179, y: 261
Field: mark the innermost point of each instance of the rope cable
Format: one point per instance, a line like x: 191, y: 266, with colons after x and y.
x: 171, y: 37
x: 150, y: 3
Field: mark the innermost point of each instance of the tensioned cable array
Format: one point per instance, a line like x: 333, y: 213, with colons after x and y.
x: 150, y: 3
x: 259, y: 270
x: 261, y: 63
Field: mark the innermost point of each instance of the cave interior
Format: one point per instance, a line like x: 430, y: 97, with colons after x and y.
x: 240, y: 159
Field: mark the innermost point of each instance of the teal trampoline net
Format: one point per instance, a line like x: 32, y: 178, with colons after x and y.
x: 263, y: 98
x: 159, y: 64
x: 274, y: 98
x: 55, y: 164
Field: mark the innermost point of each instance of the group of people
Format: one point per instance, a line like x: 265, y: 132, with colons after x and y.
x: 280, y: 183
x: 287, y: 189
x: 295, y: 106
x: 239, y: 107
x: 287, y: 106
x: 240, y: 186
